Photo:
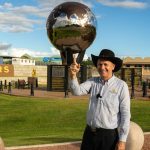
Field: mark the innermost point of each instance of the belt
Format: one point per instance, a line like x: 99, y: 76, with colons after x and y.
x: 95, y: 130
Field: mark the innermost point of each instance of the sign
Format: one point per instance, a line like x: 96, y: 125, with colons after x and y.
x: 58, y: 71
x: 6, y: 70
x: 46, y: 59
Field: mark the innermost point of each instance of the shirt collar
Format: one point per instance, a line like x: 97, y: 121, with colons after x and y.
x: 108, y: 81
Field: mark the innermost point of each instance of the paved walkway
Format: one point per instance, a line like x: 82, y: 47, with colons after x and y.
x: 41, y: 93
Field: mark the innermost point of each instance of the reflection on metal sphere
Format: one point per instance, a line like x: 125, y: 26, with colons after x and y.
x: 71, y: 27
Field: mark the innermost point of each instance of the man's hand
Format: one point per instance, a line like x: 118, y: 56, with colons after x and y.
x: 74, y: 69
x: 121, y: 145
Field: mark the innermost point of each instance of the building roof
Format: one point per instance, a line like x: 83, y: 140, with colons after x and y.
x: 7, y: 57
x: 26, y: 56
x: 136, y: 60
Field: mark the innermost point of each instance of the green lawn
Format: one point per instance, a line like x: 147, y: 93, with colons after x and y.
x: 26, y: 121
x: 140, y: 113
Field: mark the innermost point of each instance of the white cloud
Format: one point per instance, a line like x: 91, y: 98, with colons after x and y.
x: 30, y: 10
x: 22, y: 18
x: 7, y: 5
x: 18, y: 19
x: 6, y: 50
x: 16, y: 23
x: 85, y: 57
x: 124, y: 3
x: 4, y: 46
x: 53, y: 3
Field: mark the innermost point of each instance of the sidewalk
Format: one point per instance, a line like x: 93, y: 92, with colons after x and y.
x: 41, y: 93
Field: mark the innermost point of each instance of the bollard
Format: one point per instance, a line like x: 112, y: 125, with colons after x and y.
x: 5, y: 84
x: 66, y: 82
x: 9, y: 87
x: 32, y: 90
x: 66, y: 94
x: 144, y: 89
x: 1, y: 85
x: 132, y: 82
x: 1, y: 144
x: 16, y: 84
x: 36, y: 82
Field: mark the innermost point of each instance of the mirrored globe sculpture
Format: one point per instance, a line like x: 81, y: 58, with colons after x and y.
x: 71, y: 28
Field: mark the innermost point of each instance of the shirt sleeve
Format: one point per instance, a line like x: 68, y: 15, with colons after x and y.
x: 125, y: 113
x: 80, y: 89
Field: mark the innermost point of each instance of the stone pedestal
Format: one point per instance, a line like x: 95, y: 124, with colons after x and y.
x: 1, y: 144
x: 135, y: 139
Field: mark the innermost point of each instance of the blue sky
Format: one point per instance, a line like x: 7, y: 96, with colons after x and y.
x: 122, y: 25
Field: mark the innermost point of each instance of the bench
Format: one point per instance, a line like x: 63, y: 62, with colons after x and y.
x: 22, y: 84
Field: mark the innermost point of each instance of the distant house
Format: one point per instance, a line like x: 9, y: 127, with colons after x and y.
x: 6, y: 59
x: 23, y: 60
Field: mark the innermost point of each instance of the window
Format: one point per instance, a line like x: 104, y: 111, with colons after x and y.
x: 138, y: 65
x: 128, y: 66
x: 147, y: 67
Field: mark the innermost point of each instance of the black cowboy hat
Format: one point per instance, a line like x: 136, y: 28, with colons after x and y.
x: 107, y: 54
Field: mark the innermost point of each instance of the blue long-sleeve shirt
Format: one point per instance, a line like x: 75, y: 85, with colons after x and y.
x: 109, y: 110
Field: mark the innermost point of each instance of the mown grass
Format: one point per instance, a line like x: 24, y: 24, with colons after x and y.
x: 26, y: 120
x: 140, y: 113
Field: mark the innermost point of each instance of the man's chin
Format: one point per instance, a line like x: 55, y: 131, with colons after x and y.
x: 103, y: 74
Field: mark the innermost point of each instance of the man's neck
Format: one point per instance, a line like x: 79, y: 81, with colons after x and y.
x: 106, y: 79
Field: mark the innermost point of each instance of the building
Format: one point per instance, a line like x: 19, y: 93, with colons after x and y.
x: 138, y: 62
x: 6, y: 59
x: 24, y: 60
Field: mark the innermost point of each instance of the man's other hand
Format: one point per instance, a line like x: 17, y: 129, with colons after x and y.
x: 121, y: 145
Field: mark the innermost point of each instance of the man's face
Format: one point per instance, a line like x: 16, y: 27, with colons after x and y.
x: 105, y: 68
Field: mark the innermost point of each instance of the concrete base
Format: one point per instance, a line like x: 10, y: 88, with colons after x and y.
x: 58, y: 146
x: 1, y: 144
x: 135, y: 139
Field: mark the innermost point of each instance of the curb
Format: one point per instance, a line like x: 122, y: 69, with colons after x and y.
x: 49, y: 145
x: 146, y: 133
x: 43, y: 146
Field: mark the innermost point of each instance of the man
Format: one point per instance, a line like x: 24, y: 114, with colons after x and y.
x: 108, y: 115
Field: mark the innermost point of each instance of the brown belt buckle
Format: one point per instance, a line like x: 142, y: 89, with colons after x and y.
x: 93, y: 130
